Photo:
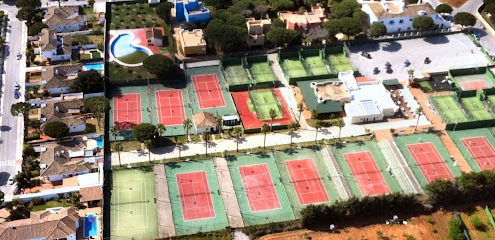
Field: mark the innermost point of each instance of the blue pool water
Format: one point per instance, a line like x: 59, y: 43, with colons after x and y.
x: 99, y: 142
x: 90, y: 225
x: 93, y: 66
x: 121, y: 46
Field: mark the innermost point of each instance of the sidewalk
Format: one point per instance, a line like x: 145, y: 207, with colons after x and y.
x: 249, y: 142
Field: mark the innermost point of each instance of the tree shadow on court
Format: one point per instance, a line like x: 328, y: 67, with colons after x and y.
x: 231, y: 158
x: 436, y: 40
x: 290, y: 151
x: 360, y: 143
x: 391, y: 46
x: 146, y: 169
x: 173, y: 165
x: 339, y: 145
x: 263, y: 155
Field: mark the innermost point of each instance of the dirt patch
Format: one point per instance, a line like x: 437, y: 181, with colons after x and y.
x: 454, y: 3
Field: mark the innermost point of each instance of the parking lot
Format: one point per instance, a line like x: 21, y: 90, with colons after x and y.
x: 445, y: 52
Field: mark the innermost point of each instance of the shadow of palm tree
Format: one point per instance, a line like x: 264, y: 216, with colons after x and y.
x: 173, y: 165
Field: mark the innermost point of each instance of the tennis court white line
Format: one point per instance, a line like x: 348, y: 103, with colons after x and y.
x: 314, y: 177
x: 369, y: 158
x: 430, y: 177
x: 273, y: 191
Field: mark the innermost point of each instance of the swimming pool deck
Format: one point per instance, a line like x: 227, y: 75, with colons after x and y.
x: 83, y: 213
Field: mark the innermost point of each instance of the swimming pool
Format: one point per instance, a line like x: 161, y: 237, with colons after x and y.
x: 99, y: 142
x: 122, y: 46
x: 90, y: 225
x: 93, y: 66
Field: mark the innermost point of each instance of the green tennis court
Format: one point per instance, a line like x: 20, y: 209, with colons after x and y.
x: 293, y: 68
x: 261, y: 72
x: 197, y: 205
x: 256, y: 207
x: 339, y: 63
x: 448, y: 109
x: 236, y: 74
x: 316, y: 65
x: 475, y: 108
x: 262, y: 101
x: 478, y: 81
x: 457, y: 137
x: 133, y: 208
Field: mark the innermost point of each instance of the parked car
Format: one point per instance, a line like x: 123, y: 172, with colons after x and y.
x: 17, y: 86
x: 19, y: 56
x: 11, y: 180
x: 17, y: 94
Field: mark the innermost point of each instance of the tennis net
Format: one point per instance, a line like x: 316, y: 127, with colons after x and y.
x: 131, y: 202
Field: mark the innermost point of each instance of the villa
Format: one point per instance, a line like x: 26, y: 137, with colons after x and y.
x: 58, y: 79
x: 53, y: 47
x: 191, y: 11
x: 154, y: 36
x: 303, y: 21
x: 192, y: 42
x: 68, y: 112
x: 257, y: 30
x: 205, y: 121
x: 398, y: 16
x: 64, y: 19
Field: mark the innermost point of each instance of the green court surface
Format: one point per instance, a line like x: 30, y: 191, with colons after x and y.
x: 339, y: 63
x: 261, y: 72
x: 182, y: 226
x: 303, y: 153
x: 475, y: 77
x: 284, y: 213
x: 262, y: 101
x: 133, y: 208
x: 316, y: 65
x: 368, y: 146
x: 475, y: 108
x: 236, y: 74
x: 456, y: 136
x: 293, y: 68
x: 404, y: 140
x: 448, y: 109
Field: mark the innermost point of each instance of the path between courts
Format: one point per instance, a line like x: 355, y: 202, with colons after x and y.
x: 248, y: 142
x: 228, y: 193
x: 166, y: 226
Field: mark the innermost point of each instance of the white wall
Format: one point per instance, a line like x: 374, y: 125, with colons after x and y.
x: 66, y: 28
x: 78, y: 128
x: 60, y: 177
x: 201, y: 130
x: 58, y: 91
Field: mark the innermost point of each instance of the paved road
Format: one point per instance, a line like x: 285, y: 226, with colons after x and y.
x: 11, y: 129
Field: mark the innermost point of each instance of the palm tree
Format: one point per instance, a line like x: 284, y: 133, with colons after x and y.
x: 314, y: 114
x: 410, y: 72
x: 265, y: 128
x: 317, y: 126
x: 115, y: 131
x: 149, y: 144
x: 219, y: 124
x: 206, y: 138
x: 187, y: 124
x: 300, y: 109
x: 273, y: 115
x: 118, y: 147
x: 292, y: 128
x: 160, y: 129
x: 237, y: 131
x: 419, y: 112
x: 340, y: 123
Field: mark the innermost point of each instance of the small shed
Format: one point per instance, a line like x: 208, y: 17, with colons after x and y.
x: 205, y: 121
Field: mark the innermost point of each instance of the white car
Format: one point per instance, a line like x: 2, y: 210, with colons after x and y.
x: 19, y: 56
x: 11, y: 180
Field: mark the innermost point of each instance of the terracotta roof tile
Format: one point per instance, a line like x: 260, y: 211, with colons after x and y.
x: 204, y: 119
x: 91, y: 193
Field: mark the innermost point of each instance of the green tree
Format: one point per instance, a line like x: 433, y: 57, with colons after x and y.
x: 20, y: 108
x: 423, y: 23
x: 237, y: 132
x: 361, y: 16
x: 144, y: 131
x: 28, y: 14
x: 314, y: 114
x: 219, y: 121
x: 87, y: 82
x: 279, y: 5
x: 28, y: 151
x: 490, y: 8
x: 187, y: 124
x: 225, y: 37
x: 442, y: 192
x: 273, y: 114
x: 159, y: 65
x: 17, y: 209
x: 115, y: 131
x: 261, y: 9
x: 317, y: 126
x: 56, y: 129
x: 80, y: 39
x: 163, y: 10
x: 300, y: 109
x: 148, y: 143
x: 91, y: 3
x: 206, y: 138
x: 465, y: 19
x: 347, y: 25
x: 419, y: 112
x: 282, y: 36
x: 455, y: 230
x: 98, y: 106
x: 378, y: 29
x: 277, y: 23
x: 264, y: 129
x: 340, y: 124
x: 344, y: 8
x: 292, y: 128
x: 35, y: 29
x: 118, y: 147
x: 444, y: 9
x: 160, y: 129
x: 316, y: 34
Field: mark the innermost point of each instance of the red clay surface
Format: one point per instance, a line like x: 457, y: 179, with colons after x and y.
x: 259, y: 188
x: 195, y: 195
x: 140, y: 37
x: 208, y: 92
x: 474, y: 85
x: 250, y: 120
x: 127, y: 110
x: 307, y: 181
x: 481, y: 150
x: 170, y: 107
x: 367, y: 174
x: 429, y: 161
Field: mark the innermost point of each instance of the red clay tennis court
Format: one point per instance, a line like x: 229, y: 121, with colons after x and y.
x: 367, y: 174
x: 429, y: 161
x: 170, y: 107
x: 195, y: 195
x: 474, y: 85
x: 481, y: 150
x: 307, y: 181
x: 127, y: 108
x: 208, y: 92
x: 259, y: 188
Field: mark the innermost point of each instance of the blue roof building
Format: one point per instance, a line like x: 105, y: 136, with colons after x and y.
x: 191, y: 11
